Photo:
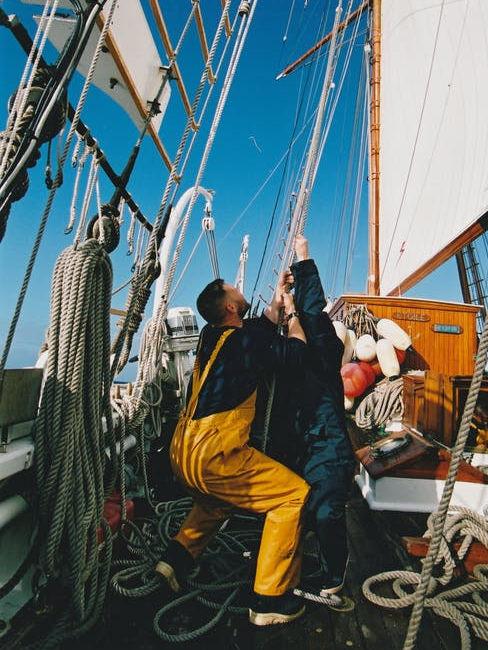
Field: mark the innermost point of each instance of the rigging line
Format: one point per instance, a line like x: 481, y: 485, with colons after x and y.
x: 347, y: 190
x: 285, y: 35
x: 337, y: 94
x: 23, y: 93
x: 278, y: 194
x: 185, y: 268
x: 204, y: 109
x: 419, y: 126
x: 42, y: 224
x: 358, y: 192
x: 358, y: 196
x: 283, y: 157
x: 185, y: 29
x: 334, y: 259
x: 236, y: 55
x: 303, y: 200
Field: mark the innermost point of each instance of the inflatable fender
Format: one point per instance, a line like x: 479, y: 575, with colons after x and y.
x: 349, y: 346
x: 365, y: 348
x: 387, y: 358
x: 368, y: 371
x: 348, y: 403
x: 394, y: 333
x: 354, y: 380
x: 340, y: 330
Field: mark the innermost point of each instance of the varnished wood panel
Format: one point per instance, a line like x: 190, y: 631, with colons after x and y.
x: 449, y: 354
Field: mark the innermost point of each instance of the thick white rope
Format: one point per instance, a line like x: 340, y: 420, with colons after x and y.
x: 69, y: 434
x: 90, y: 185
x: 456, y: 457
x: 460, y: 524
x: 80, y: 164
x: 381, y: 405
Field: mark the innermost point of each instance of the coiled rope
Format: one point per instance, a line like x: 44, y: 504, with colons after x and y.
x: 225, y: 568
x: 382, y: 405
x: 451, y: 604
x: 69, y: 435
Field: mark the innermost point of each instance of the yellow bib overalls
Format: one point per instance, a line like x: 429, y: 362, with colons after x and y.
x: 211, y: 457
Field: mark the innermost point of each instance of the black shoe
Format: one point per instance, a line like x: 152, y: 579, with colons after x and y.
x: 270, y: 610
x: 175, y: 565
x: 320, y: 586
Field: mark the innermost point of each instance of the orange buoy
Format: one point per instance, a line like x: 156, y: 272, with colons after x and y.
x: 354, y: 379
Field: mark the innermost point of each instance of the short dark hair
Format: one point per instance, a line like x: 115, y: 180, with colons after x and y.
x: 210, y: 303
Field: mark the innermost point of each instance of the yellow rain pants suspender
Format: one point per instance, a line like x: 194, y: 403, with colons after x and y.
x: 212, y: 458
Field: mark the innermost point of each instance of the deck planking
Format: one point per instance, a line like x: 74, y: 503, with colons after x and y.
x: 374, y: 540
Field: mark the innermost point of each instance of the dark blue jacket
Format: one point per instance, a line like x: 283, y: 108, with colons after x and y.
x: 321, y: 419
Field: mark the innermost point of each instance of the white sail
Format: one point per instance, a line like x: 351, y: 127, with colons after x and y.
x: 433, y: 133
x: 130, y: 70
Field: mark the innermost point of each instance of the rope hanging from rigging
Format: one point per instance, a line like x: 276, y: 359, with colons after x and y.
x: 70, y: 440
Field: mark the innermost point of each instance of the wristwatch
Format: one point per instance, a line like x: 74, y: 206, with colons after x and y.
x: 288, y: 317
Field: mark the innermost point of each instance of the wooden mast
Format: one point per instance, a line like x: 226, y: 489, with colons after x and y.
x: 374, y: 171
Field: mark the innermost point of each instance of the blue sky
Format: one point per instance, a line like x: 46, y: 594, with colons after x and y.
x: 254, y: 133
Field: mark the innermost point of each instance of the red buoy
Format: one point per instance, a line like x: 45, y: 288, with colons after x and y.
x: 354, y: 379
x: 401, y: 354
x: 368, y: 371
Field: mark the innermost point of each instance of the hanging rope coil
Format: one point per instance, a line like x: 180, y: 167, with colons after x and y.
x: 383, y: 404
x: 69, y: 434
x: 461, y: 523
x: 14, y: 139
x: 359, y: 319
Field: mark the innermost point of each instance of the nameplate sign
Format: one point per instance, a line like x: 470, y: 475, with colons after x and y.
x: 411, y: 315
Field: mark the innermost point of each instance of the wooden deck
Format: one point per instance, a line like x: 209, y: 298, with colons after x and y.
x: 374, y: 547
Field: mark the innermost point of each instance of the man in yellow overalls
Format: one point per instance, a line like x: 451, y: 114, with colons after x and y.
x: 210, y: 453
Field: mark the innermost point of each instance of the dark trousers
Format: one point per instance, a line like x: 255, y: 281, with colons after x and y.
x: 327, y: 517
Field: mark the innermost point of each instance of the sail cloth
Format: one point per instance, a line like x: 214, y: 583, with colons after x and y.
x: 433, y: 133
x: 131, y: 75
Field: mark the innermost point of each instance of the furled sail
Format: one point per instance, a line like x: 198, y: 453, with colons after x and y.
x: 434, y: 134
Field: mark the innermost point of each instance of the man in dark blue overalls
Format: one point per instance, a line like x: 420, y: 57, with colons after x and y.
x: 327, y: 460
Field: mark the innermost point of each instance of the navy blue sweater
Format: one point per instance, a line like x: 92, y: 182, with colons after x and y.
x: 247, y: 355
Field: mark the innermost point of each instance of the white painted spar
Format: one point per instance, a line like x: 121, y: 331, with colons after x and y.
x: 166, y: 248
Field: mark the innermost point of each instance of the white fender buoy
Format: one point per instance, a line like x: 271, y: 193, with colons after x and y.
x: 387, y: 358
x: 365, y: 348
x: 349, y: 345
x: 388, y: 329
x: 348, y: 403
x: 340, y: 329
